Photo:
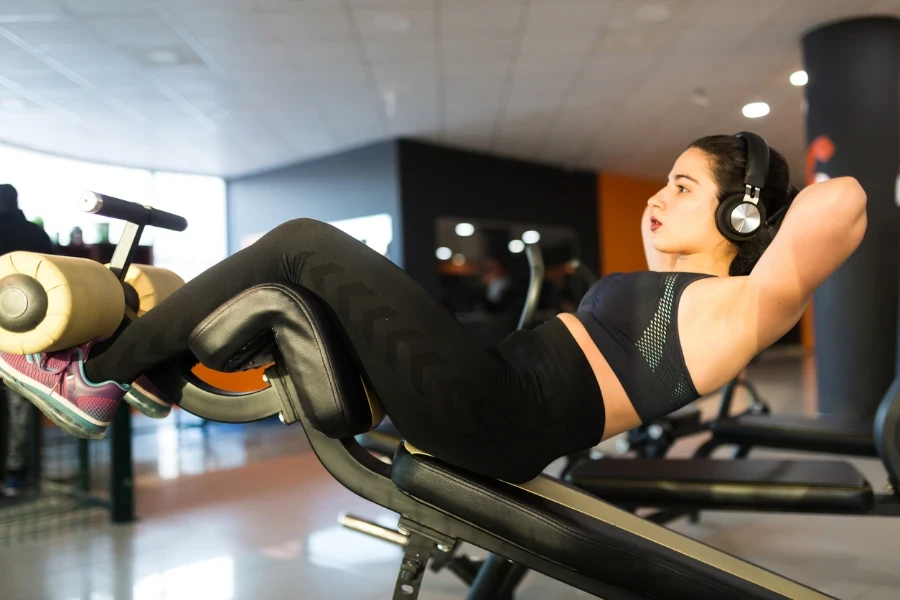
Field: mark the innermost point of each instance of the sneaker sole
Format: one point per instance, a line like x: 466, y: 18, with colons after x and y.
x: 146, y: 404
x: 64, y: 415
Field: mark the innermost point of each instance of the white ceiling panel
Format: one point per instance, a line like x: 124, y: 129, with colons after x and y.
x: 479, y: 46
x: 589, y: 83
x: 41, y: 80
x: 545, y: 66
x: 586, y: 16
x: 236, y: 57
x: 489, y: 67
x: 65, y: 31
x: 29, y: 8
x: 192, y: 7
x: 328, y: 54
x: 13, y: 60
x: 400, y: 51
x: 381, y: 3
x: 144, y: 31
x: 560, y: 48
x: 736, y: 16
x: 108, y: 79
x: 797, y: 14
x: 463, y: 17
x: 627, y: 14
x: 110, y: 7
x: 379, y: 23
x: 310, y: 23
x: 219, y: 27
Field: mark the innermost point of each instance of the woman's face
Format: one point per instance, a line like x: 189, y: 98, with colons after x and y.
x: 683, y: 213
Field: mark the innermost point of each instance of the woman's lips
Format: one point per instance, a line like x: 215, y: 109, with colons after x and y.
x: 655, y: 224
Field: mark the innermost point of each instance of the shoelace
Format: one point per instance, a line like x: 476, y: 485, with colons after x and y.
x: 40, y: 361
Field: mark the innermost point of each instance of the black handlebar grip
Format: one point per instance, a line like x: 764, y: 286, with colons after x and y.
x: 114, y: 208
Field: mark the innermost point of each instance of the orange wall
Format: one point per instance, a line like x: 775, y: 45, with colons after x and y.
x: 621, y: 202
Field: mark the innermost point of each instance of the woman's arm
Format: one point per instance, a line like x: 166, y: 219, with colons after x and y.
x: 656, y: 260
x: 823, y: 227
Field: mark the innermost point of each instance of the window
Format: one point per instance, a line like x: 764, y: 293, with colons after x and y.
x: 49, y: 187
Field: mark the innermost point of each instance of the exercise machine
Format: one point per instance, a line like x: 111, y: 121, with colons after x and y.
x: 543, y: 525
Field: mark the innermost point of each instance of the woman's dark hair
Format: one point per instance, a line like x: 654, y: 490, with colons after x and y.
x: 728, y: 162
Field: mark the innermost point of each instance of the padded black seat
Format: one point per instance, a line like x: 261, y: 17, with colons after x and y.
x: 778, y: 485
x: 789, y: 432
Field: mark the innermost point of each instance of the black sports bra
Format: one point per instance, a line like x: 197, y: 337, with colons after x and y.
x: 633, y: 320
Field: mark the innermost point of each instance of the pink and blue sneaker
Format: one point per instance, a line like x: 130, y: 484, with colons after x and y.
x: 145, y: 397
x: 56, y: 383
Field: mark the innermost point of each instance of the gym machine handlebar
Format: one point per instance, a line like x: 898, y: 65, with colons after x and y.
x: 114, y: 208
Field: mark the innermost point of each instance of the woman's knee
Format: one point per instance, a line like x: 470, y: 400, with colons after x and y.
x: 303, y: 231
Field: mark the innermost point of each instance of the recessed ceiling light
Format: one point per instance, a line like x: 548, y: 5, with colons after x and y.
x: 799, y: 78
x: 444, y: 253
x: 531, y: 237
x: 652, y: 13
x: 465, y: 229
x: 392, y: 23
x: 754, y: 110
x: 163, y: 57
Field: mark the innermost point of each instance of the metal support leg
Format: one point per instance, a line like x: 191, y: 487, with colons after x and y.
x: 121, y: 468
x: 84, y: 466
x: 515, y: 576
x: 418, y: 552
x: 491, y: 578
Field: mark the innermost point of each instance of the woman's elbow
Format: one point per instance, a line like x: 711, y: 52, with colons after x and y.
x: 852, y: 194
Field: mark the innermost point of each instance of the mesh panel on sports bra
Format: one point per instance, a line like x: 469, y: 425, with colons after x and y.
x: 658, y: 345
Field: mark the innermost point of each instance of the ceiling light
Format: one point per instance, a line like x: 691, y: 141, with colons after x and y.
x: 163, y: 57
x: 516, y: 246
x: 459, y: 259
x: 754, y: 110
x: 444, y: 253
x: 799, y: 78
x: 652, y: 13
x: 392, y: 23
x: 465, y: 229
x: 531, y: 237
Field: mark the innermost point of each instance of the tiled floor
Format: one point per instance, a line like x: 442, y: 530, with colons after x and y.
x: 250, y: 513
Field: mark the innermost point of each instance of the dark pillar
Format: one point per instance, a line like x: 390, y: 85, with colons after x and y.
x: 853, y: 128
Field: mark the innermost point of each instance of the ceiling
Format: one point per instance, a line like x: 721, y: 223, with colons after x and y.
x: 230, y: 87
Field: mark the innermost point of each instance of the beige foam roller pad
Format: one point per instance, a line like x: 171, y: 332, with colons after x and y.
x: 85, y: 301
x: 152, y: 284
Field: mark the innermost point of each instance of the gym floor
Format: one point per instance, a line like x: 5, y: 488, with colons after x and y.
x: 248, y: 512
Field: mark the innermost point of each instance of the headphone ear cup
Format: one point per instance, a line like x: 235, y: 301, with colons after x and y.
x: 734, y: 208
x: 723, y: 217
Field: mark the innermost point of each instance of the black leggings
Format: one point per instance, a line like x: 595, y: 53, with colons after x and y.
x: 505, y: 412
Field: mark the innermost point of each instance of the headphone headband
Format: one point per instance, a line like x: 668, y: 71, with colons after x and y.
x: 740, y: 216
x: 757, y: 160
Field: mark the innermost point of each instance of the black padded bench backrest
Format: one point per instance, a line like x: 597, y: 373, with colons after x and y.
x: 327, y: 380
x: 575, y: 529
x: 782, y: 485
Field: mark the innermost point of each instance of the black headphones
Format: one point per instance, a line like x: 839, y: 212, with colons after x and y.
x: 740, y: 216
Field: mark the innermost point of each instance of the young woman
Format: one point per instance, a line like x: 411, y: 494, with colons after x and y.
x: 640, y: 346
